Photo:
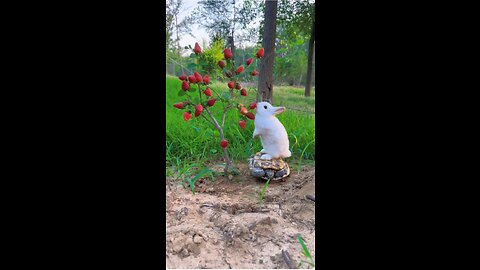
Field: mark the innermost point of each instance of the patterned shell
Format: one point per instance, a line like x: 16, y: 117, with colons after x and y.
x: 273, y: 169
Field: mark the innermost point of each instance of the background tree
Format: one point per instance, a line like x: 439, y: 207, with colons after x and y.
x: 265, y: 79
x: 229, y: 20
x: 176, y: 28
x: 216, y: 16
x: 296, y: 21
x: 311, y: 51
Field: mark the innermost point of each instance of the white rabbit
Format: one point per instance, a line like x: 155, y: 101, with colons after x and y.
x: 272, y: 133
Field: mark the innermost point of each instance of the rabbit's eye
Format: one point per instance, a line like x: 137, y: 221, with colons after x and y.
x: 265, y: 107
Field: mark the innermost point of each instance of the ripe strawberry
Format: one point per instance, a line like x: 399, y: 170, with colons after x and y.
x: 211, y: 102
x: 260, y: 53
x: 208, y: 92
x: 187, y: 116
x: 198, y: 110
x: 224, y: 143
x: 192, y: 79
x: 198, y: 77
x: 238, y: 86
x: 249, y: 61
x: 243, y: 110
x: 183, y: 77
x: 242, y: 123
x: 227, y: 53
x: 239, y: 69
x: 254, y: 73
x: 178, y: 105
x: 253, y: 105
x: 250, y: 115
x: 230, y: 84
x: 197, y: 48
x: 243, y: 92
x: 221, y: 64
x: 206, y: 79
x: 185, y: 85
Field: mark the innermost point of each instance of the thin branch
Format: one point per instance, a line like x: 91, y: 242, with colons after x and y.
x: 208, y: 120
x: 224, y: 114
x: 214, y: 120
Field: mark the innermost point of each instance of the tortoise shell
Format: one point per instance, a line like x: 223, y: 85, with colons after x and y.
x: 268, y: 169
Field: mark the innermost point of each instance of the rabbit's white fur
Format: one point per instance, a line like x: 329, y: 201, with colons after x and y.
x: 272, y: 133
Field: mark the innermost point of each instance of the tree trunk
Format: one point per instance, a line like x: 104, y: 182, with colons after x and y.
x: 311, y: 49
x: 265, y: 78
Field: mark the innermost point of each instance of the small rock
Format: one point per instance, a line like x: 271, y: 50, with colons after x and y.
x: 185, y: 252
x: 260, y: 261
x: 197, y: 239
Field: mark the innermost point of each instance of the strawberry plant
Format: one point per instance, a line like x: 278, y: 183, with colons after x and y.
x: 199, y: 98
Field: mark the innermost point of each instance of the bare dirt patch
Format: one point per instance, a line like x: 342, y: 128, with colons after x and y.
x: 224, y: 225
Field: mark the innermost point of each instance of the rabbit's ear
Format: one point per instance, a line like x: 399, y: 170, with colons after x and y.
x: 278, y: 110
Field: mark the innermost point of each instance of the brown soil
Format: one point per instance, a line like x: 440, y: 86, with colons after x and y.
x: 224, y: 225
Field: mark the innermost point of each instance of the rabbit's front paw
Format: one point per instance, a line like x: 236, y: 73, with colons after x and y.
x: 266, y: 156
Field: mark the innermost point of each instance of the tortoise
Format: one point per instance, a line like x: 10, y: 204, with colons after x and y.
x: 268, y: 169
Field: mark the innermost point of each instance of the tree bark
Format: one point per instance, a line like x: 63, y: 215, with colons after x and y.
x: 265, y: 78
x: 311, y: 49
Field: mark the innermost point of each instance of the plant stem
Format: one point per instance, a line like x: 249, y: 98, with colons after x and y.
x: 222, y: 137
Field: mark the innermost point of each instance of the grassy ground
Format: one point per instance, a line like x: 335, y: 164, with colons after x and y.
x: 195, y: 143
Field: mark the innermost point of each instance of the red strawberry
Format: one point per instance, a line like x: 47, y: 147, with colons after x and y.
x: 227, y: 53
x: 238, y: 86
x: 178, y: 105
x: 250, y: 115
x: 192, y: 79
x: 197, y: 48
x: 198, y: 110
x: 243, y: 110
x: 254, y: 73
x: 242, y: 123
x: 211, y: 102
x: 185, y: 85
x: 249, y: 61
x: 198, y: 77
x: 224, y: 143
x: 208, y: 92
x: 253, y: 105
x: 221, y: 64
x: 183, y: 77
x: 230, y: 84
x: 206, y: 79
x: 243, y: 92
x: 260, y: 53
x: 239, y: 69
x: 187, y: 116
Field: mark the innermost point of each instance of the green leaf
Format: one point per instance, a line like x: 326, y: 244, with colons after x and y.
x: 198, y: 176
x: 192, y: 89
x: 181, y: 92
x: 225, y: 96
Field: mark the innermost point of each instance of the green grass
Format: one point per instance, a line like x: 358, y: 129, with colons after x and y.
x: 196, y: 141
